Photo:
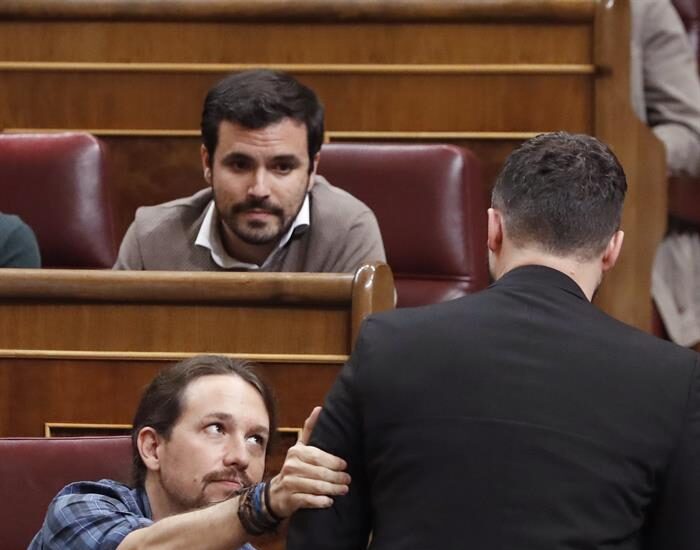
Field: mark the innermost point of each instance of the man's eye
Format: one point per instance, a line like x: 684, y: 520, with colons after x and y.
x: 284, y: 168
x: 257, y: 440
x: 214, y: 428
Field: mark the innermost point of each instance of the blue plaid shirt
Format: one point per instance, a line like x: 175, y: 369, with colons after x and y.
x: 91, y: 515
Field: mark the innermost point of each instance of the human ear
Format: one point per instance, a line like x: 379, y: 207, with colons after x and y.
x: 148, y: 444
x: 206, y: 163
x: 312, y: 179
x: 494, y: 230
x: 612, y: 251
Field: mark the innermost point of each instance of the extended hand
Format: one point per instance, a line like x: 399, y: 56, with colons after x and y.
x: 309, y: 476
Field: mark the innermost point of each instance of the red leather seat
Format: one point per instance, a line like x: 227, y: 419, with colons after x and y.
x: 33, y: 470
x: 429, y: 201
x: 57, y: 184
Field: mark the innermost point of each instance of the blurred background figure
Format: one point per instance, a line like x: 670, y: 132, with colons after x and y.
x: 666, y: 95
x: 18, y: 246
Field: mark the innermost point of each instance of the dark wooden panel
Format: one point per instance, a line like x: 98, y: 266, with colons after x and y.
x: 177, y: 328
x: 230, y: 42
x: 398, y: 102
x: 95, y: 391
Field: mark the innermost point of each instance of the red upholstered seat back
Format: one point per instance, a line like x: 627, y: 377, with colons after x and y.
x: 429, y: 201
x: 33, y: 470
x: 57, y: 184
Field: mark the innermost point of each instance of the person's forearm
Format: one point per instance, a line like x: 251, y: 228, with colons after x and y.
x: 216, y: 527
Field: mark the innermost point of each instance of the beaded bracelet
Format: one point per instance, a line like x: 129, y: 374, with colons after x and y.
x: 255, y: 518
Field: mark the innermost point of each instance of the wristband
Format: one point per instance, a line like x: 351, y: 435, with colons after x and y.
x: 255, y: 518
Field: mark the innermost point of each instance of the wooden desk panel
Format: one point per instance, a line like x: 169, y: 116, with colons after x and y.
x: 79, y: 346
x: 270, y: 42
x: 174, y: 327
x: 461, y: 102
x: 35, y: 390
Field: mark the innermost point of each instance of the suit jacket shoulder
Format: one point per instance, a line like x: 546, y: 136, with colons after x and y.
x: 523, y: 398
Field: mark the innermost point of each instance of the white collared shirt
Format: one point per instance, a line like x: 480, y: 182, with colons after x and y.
x: 209, y: 237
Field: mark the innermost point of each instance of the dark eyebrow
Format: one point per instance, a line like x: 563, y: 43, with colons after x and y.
x: 226, y: 417
x: 236, y: 157
x: 289, y: 159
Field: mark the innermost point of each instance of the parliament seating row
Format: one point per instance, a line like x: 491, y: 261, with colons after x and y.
x: 428, y: 200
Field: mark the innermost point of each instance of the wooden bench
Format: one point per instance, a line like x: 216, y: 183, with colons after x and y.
x: 78, y: 347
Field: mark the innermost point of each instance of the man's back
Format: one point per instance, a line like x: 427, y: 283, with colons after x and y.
x: 521, y: 417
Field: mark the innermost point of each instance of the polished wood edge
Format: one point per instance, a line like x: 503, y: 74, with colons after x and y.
x: 154, y: 356
x: 495, y: 136
x: 373, y: 291
x: 303, y: 68
x: 301, y: 10
x: 105, y: 132
x: 49, y: 427
x: 328, y: 137
x: 331, y: 289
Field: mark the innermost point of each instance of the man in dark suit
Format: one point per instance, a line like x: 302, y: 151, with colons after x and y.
x: 521, y: 417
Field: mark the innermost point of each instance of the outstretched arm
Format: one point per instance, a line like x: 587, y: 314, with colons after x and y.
x: 308, y: 479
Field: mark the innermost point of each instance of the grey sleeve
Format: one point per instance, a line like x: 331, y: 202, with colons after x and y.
x: 130, y: 257
x: 671, y: 86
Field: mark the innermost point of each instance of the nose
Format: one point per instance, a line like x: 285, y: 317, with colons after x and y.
x: 237, y: 454
x: 259, y: 187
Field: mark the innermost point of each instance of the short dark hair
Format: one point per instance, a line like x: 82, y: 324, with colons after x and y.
x: 161, y: 404
x: 562, y: 192
x: 257, y: 98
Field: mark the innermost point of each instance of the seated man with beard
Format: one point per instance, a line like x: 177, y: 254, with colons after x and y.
x: 200, y: 438
x: 265, y: 208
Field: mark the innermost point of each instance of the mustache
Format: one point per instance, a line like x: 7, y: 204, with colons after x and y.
x: 228, y: 475
x: 257, y: 204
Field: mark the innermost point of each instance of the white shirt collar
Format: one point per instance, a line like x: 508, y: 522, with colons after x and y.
x: 210, y: 238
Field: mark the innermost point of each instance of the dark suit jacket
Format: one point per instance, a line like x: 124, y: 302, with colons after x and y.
x: 519, y: 418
